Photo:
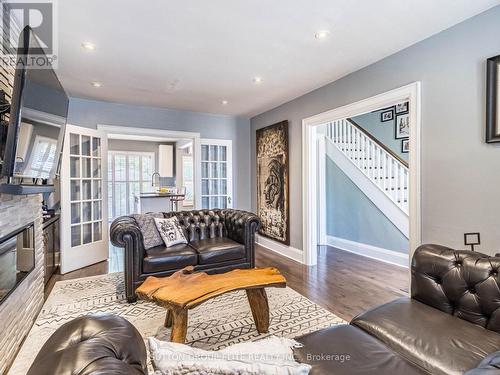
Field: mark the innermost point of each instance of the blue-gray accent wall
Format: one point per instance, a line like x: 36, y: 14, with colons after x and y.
x: 460, y: 172
x: 351, y: 215
x: 383, y: 131
x: 90, y: 113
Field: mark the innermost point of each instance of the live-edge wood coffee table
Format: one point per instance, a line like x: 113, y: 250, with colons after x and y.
x: 186, y: 289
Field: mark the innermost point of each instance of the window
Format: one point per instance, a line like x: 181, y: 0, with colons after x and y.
x: 187, y: 179
x: 42, y: 157
x: 129, y: 174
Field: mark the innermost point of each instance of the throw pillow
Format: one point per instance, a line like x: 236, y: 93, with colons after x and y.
x: 269, y: 356
x: 150, y: 235
x: 171, y: 231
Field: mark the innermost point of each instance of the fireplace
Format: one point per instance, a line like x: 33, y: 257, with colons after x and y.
x: 17, y: 258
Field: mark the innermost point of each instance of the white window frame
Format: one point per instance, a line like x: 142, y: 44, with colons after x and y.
x: 111, y: 157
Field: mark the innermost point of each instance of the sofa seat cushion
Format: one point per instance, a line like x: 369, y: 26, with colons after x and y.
x: 436, y: 341
x: 347, y: 350
x: 217, y: 250
x: 162, y: 258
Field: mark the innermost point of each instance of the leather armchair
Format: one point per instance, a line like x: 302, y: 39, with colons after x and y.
x: 218, y: 241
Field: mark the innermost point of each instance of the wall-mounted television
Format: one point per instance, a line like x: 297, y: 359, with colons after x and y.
x: 37, y: 121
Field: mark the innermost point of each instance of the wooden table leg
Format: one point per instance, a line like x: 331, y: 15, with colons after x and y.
x: 179, y: 326
x: 168, y: 319
x: 257, y: 298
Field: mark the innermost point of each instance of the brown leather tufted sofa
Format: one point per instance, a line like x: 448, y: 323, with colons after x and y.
x: 219, y: 241
x: 450, y: 325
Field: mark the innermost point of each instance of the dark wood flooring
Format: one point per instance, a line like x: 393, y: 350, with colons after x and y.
x: 343, y: 283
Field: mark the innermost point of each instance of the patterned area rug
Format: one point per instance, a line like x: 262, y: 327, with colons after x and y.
x: 215, y: 324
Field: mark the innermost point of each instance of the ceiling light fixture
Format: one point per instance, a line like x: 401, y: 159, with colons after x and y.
x: 224, y: 102
x: 322, y: 34
x: 88, y: 46
x: 257, y: 80
x: 96, y: 84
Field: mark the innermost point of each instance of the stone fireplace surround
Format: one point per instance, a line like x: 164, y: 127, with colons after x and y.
x: 21, y: 307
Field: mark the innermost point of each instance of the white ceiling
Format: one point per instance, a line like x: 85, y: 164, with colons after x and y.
x: 192, y: 54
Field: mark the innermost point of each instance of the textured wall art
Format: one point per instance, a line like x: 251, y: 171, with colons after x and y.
x: 273, y: 203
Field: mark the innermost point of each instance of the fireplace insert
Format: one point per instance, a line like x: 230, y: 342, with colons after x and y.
x: 17, y: 258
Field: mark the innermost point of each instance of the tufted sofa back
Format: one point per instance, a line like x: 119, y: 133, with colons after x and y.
x: 201, y: 224
x: 462, y: 283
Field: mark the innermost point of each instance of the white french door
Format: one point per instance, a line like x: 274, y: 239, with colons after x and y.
x: 216, y: 173
x: 129, y: 173
x: 84, y: 224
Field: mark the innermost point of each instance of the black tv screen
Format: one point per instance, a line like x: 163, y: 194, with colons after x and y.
x: 38, y: 115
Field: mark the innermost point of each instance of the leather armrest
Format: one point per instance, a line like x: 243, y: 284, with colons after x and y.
x: 124, y: 232
x: 241, y: 227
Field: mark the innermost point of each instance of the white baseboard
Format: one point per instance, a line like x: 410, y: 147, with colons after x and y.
x: 287, y: 251
x: 369, y: 251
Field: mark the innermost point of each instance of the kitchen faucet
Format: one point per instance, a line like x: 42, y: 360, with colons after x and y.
x: 153, y: 178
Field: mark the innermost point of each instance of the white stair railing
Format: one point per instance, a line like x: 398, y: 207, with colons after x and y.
x: 386, y: 171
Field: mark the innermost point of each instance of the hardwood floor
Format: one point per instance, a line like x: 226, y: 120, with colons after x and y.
x: 343, y: 283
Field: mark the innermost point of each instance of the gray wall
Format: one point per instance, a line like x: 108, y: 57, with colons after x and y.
x: 383, y: 131
x: 89, y: 113
x: 351, y: 215
x: 460, y: 173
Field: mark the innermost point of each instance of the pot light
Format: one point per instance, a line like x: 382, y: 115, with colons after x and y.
x: 224, y: 102
x: 322, y: 34
x: 96, y: 84
x: 257, y: 80
x: 88, y: 46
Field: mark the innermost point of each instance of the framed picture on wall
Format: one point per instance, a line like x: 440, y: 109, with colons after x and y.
x: 402, y: 108
x: 402, y: 126
x: 493, y: 100
x: 405, y: 146
x: 387, y: 115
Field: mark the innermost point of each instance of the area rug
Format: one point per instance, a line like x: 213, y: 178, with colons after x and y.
x: 215, y: 324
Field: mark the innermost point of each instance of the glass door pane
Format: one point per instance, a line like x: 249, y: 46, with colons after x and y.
x: 85, y: 189
x: 214, y: 176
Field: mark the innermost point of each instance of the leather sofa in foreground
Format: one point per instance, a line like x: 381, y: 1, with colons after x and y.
x: 218, y: 241
x: 450, y: 325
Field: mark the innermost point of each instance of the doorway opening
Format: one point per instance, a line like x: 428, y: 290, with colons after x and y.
x: 387, y: 175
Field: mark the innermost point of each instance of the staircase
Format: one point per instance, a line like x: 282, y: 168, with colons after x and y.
x: 379, y: 164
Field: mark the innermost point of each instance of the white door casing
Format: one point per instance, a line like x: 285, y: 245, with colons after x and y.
x: 84, y: 198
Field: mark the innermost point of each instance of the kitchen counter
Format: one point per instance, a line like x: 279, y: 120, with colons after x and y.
x: 154, y: 202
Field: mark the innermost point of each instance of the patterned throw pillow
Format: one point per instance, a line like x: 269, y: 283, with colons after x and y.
x: 150, y: 235
x: 170, y: 231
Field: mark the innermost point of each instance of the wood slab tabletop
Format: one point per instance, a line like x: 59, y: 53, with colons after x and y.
x: 186, y: 289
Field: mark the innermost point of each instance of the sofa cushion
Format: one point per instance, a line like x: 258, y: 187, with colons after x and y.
x: 150, y: 235
x: 161, y: 258
x: 218, y: 249
x: 436, y: 341
x: 347, y: 350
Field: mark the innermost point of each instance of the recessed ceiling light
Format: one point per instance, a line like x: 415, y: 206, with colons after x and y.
x: 322, y: 34
x: 88, y: 45
x: 224, y: 102
x: 257, y: 80
x: 96, y: 84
